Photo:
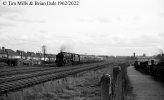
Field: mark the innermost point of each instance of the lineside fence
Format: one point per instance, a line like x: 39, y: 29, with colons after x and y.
x: 112, y: 85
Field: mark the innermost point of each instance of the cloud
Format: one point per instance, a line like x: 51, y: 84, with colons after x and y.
x: 5, y: 12
x: 145, y: 41
x: 103, y: 20
x: 3, y: 24
x: 93, y: 20
x: 23, y: 19
x: 161, y: 34
x: 137, y: 41
x: 43, y: 31
x: 136, y: 18
x: 12, y: 15
x: 110, y: 28
x: 161, y: 15
x: 8, y: 10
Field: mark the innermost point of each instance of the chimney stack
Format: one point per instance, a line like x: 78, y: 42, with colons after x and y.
x: 3, y: 49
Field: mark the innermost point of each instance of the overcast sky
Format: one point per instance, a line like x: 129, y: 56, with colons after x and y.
x: 110, y: 27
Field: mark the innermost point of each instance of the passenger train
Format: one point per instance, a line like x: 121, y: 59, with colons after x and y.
x: 66, y: 58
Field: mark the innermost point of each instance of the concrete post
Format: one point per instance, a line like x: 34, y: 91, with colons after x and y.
x: 105, y: 87
x: 117, y: 84
x: 116, y: 70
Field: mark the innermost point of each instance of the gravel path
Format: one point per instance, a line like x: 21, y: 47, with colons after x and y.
x: 144, y: 86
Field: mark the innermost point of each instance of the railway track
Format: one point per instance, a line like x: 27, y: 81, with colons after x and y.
x: 14, y: 68
x: 35, y: 73
x: 11, y: 83
x: 18, y: 70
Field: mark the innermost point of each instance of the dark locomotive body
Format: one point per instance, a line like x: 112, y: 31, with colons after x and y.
x: 65, y: 58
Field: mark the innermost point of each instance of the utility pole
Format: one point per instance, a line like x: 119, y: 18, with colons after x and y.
x: 44, y: 50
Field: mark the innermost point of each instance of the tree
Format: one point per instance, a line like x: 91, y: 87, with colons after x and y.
x: 160, y: 56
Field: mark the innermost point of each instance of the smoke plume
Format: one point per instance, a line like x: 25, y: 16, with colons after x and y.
x: 65, y: 48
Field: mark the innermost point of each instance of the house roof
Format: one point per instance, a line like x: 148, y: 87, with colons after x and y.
x: 2, y: 52
x: 40, y: 54
x: 23, y: 52
x: 32, y: 54
x: 46, y: 55
x: 11, y: 52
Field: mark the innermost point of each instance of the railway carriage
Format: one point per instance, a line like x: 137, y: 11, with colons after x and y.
x: 76, y: 58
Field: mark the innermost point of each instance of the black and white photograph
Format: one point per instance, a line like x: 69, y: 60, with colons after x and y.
x: 81, y: 50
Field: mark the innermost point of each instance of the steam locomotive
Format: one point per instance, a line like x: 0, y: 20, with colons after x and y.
x: 66, y: 58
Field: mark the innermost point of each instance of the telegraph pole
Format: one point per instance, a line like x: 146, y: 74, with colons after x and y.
x: 44, y: 50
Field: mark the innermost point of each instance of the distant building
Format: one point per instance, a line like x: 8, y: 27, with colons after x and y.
x: 147, y: 58
x: 3, y: 54
x: 51, y: 57
x: 10, y: 57
x: 22, y: 54
x: 21, y: 58
x: 40, y: 55
x: 34, y: 58
x: 12, y: 54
